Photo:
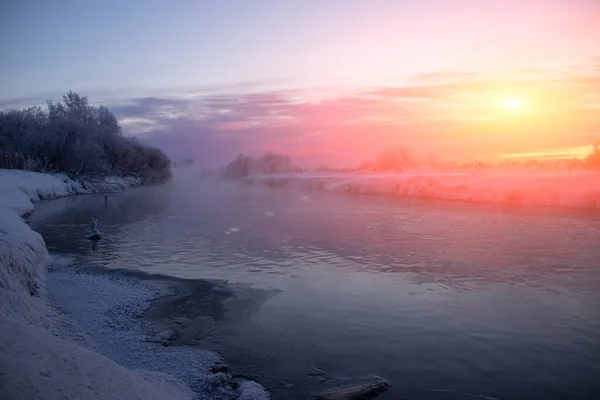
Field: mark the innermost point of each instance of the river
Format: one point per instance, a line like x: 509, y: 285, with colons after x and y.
x: 445, y: 300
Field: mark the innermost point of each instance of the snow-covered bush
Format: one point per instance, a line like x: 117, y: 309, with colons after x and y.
x: 402, y: 160
x: 78, y: 139
x: 396, y: 160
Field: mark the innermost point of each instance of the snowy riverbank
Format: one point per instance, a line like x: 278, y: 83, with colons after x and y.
x: 41, y: 357
x: 19, y: 189
x: 580, y: 189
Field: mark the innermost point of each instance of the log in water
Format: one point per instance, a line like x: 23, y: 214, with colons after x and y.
x: 355, y: 391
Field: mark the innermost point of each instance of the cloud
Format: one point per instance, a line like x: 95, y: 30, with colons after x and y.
x: 21, y: 102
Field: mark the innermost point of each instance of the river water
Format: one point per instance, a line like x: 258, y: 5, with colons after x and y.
x: 445, y: 300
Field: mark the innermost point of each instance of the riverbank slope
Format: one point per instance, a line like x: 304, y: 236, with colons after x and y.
x: 578, y: 189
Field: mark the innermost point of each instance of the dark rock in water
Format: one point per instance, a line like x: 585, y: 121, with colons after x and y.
x: 355, y: 391
x: 221, y: 367
x: 167, y: 334
x: 164, y: 337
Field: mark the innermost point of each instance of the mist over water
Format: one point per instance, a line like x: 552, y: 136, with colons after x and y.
x: 440, y: 298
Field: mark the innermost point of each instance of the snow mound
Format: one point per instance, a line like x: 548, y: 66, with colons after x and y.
x: 38, y: 359
x: 579, y: 189
x: 39, y: 365
x: 250, y: 390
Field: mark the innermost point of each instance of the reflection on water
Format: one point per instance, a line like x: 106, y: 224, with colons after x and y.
x: 440, y: 298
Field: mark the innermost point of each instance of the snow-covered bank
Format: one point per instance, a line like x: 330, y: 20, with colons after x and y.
x: 39, y: 358
x: 579, y: 189
x: 19, y: 189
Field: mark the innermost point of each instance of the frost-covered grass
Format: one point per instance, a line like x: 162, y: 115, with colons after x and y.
x: 39, y: 359
x: 579, y: 189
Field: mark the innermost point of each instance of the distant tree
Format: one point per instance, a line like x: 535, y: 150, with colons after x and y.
x: 270, y: 163
x: 437, y: 164
x: 396, y: 160
x: 593, y: 159
x: 574, y: 163
x: 367, y: 167
x: 240, y: 167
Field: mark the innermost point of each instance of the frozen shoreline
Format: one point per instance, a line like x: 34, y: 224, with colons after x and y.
x: 109, y: 321
x: 579, y: 189
x: 42, y: 356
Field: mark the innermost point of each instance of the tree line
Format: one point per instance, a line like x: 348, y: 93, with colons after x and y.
x: 403, y: 160
x: 270, y: 163
x: 80, y: 140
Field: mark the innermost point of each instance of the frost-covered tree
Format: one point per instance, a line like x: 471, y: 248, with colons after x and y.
x: 73, y: 137
x: 270, y: 163
x: 593, y: 159
x: 240, y: 167
x: 396, y: 160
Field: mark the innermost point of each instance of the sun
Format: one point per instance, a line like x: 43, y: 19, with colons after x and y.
x: 513, y: 103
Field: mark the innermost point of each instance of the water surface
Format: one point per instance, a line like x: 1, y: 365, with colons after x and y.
x: 443, y: 299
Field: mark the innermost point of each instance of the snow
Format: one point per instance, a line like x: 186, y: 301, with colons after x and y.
x: 39, y: 365
x: 251, y: 391
x: 107, y: 321
x: 39, y: 357
x: 34, y: 186
x: 579, y: 189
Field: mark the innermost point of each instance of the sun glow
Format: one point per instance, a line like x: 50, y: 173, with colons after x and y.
x: 513, y: 103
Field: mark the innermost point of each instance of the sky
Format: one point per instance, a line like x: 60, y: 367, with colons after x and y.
x: 325, y: 81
